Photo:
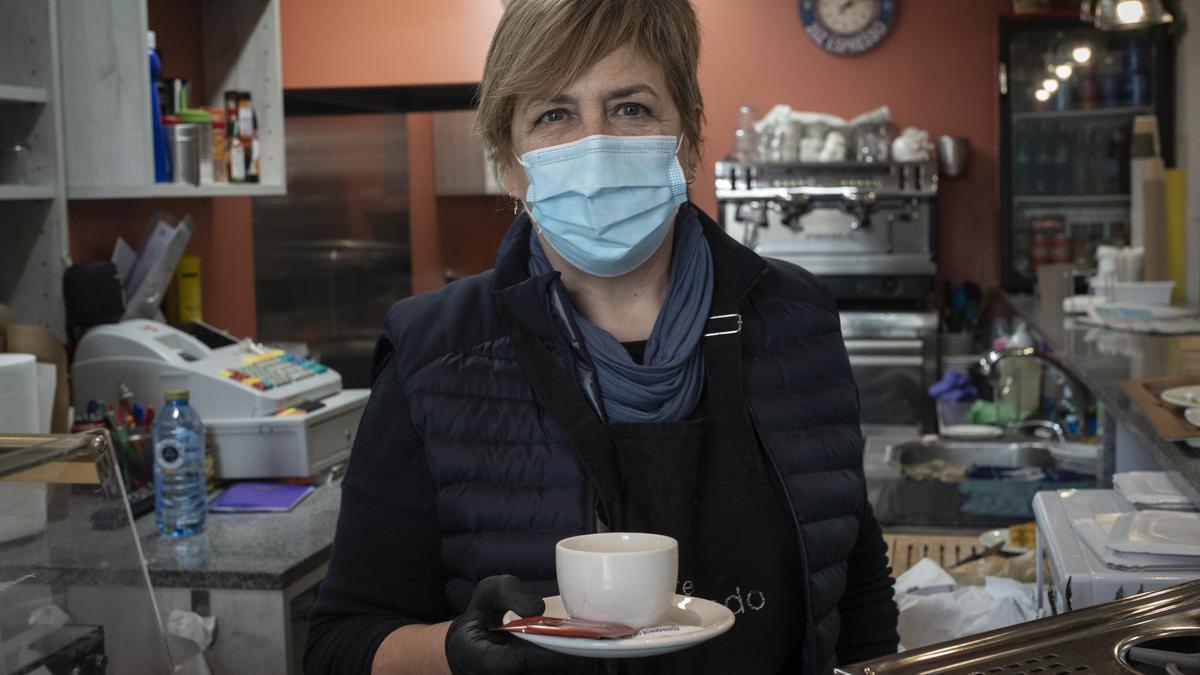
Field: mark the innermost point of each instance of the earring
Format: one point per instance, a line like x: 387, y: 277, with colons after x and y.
x: 515, y: 209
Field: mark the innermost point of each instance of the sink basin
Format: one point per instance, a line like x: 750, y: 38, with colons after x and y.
x: 966, y: 453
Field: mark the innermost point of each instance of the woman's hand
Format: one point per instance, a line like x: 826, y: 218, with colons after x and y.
x: 472, y: 647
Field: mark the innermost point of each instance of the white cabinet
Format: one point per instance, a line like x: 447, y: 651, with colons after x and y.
x: 461, y: 166
x: 106, y: 92
x: 33, y: 226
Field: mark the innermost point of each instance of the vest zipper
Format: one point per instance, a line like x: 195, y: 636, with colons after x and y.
x: 809, y: 626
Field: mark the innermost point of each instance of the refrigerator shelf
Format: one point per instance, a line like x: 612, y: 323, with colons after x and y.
x: 1071, y: 200
x: 1090, y: 113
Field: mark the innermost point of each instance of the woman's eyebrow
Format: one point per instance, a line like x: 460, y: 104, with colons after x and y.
x: 630, y: 90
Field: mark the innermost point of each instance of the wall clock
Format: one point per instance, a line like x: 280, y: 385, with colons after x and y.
x: 846, y: 27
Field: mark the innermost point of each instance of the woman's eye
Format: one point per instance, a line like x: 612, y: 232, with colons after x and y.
x: 631, y: 109
x: 556, y: 115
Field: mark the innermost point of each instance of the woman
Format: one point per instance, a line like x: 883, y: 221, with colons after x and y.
x: 625, y: 366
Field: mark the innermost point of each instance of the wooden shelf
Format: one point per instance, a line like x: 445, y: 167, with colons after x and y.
x: 173, y: 190
x: 11, y: 93
x: 28, y: 192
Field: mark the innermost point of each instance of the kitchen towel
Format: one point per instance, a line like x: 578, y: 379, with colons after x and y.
x: 52, y: 363
x: 18, y: 394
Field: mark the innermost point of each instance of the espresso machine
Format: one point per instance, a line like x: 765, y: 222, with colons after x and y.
x: 869, y: 231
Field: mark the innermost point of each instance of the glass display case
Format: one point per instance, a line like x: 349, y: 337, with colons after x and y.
x: 75, y: 596
x: 1069, y: 95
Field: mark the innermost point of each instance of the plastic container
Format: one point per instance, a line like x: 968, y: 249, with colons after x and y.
x: 1153, y: 293
x: 180, y: 494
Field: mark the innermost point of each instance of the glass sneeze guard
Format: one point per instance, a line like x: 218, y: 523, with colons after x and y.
x: 75, y: 595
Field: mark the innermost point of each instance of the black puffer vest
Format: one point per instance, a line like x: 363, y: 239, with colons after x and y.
x: 509, y: 483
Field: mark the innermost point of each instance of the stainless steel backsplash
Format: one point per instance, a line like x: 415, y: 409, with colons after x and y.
x: 333, y: 255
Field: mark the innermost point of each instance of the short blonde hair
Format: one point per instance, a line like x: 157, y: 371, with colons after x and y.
x: 542, y: 46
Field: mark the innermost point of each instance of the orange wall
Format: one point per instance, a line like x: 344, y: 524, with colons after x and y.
x: 359, y: 43
x: 936, y: 71
x: 222, y: 239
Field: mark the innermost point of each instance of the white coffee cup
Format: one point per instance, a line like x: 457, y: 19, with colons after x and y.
x: 620, y: 577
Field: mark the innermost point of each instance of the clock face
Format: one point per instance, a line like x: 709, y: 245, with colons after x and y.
x: 847, y: 17
x: 846, y: 27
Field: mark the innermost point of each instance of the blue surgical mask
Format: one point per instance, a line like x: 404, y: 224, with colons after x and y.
x: 605, y: 203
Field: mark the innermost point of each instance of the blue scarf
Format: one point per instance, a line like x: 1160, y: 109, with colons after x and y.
x: 668, y: 384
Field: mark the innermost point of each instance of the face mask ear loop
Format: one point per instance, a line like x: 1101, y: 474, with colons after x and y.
x: 524, y: 204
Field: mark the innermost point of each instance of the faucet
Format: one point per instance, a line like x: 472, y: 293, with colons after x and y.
x: 1079, y: 391
x: 1055, y: 428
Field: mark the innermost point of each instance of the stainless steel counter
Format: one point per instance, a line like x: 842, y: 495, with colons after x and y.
x: 1103, y: 359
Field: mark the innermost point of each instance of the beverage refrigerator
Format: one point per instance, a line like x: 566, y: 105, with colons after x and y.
x: 1068, y: 97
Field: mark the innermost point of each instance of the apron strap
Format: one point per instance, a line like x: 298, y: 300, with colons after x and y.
x: 566, y: 405
x: 722, y: 342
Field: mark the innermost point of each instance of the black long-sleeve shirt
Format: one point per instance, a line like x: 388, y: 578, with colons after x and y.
x: 386, y: 570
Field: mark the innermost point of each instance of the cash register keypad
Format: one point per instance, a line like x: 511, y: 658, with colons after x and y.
x: 273, y: 369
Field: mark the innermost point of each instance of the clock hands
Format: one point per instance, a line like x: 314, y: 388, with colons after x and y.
x: 847, y: 5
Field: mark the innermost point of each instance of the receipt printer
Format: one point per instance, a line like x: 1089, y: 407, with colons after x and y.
x: 267, y: 413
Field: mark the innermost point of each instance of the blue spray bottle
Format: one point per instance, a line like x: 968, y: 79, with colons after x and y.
x: 162, y: 163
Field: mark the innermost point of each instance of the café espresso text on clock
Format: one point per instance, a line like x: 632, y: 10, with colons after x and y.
x: 846, y: 27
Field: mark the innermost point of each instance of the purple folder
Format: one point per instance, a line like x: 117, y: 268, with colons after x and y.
x: 260, y: 497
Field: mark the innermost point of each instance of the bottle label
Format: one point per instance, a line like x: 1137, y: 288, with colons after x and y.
x: 237, y: 164
x: 169, y: 454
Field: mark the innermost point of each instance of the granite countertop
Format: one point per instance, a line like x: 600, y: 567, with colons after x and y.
x: 254, y: 551
x: 1103, y: 359
x: 246, y: 550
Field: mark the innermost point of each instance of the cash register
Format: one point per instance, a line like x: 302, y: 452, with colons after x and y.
x: 267, y: 413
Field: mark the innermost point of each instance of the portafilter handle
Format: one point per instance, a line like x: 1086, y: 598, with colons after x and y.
x: 859, y: 205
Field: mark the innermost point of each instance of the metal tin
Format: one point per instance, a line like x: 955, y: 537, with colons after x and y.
x: 185, y: 156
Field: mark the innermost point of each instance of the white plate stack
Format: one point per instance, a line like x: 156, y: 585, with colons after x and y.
x: 1162, y: 534
x: 1151, y: 490
x: 957, y: 353
x: 1143, y: 540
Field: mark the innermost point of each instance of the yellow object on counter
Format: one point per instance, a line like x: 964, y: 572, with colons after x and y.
x: 1176, y: 234
x: 1023, y: 536
x: 182, y: 303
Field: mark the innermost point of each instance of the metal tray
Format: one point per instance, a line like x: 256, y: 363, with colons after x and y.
x: 1092, y: 640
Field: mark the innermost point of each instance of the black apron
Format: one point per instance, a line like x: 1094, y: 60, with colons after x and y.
x: 703, y: 481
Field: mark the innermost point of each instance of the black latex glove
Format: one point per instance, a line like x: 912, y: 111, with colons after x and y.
x: 472, y: 648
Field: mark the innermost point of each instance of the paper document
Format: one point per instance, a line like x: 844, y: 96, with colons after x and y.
x: 124, y: 257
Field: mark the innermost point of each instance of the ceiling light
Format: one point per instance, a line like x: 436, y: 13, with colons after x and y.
x: 1131, y: 11
x: 1124, y: 14
x: 1042, y: 95
x: 1050, y: 85
x: 1082, y: 54
x: 1064, y: 71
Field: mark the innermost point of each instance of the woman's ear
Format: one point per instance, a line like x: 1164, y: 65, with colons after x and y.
x: 512, y: 178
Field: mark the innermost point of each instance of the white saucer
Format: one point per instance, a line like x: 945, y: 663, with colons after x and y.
x: 1183, y: 397
x: 992, y: 537
x: 691, y: 621
x: 1192, y: 415
x: 972, y: 432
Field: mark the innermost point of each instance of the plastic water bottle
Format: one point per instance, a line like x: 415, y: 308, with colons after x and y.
x: 180, y: 498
